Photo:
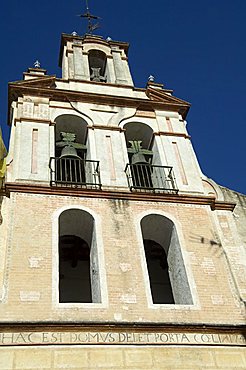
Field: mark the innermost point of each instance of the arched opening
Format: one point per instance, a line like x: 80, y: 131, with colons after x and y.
x: 74, y: 269
x: 139, y: 146
x: 157, y: 265
x: 78, y: 262
x: 166, y: 271
x: 72, y: 165
x: 70, y: 149
x: 145, y: 171
x: 75, y: 143
x: 97, y: 64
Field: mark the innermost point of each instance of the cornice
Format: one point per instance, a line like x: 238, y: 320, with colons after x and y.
x: 117, y: 85
x: 168, y: 133
x: 33, y: 120
x: 131, y: 196
x: 59, y: 325
x: 16, y: 90
x: 104, y: 127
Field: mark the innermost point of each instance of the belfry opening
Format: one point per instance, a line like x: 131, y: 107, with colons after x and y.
x: 78, y: 263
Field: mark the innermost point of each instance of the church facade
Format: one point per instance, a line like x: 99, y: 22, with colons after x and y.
x: 116, y: 251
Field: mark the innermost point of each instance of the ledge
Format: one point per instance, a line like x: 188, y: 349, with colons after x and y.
x: 131, y: 196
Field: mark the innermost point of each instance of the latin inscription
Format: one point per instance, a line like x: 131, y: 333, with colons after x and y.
x: 35, y: 338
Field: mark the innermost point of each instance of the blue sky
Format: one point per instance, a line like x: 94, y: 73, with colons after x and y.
x: 196, y: 48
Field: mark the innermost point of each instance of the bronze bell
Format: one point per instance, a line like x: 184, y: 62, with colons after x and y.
x: 69, y: 151
x: 138, y: 158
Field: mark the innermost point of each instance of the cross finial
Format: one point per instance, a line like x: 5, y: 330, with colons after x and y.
x: 91, y: 25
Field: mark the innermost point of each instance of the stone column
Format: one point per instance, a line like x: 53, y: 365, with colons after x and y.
x: 78, y: 62
x: 118, y: 67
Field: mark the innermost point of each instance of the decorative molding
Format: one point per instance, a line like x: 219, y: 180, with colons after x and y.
x: 69, y: 51
x: 86, y: 97
x: 33, y: 120
x: 102, y: 127
x: 144, y: 113
x: 80, y: 46
x: 111, y: 84
x: 223, y: 206
x: 168, y: 133
x: 131, y: 196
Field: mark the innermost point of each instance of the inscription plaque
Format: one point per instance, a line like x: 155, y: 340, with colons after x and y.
x: 119, y: 337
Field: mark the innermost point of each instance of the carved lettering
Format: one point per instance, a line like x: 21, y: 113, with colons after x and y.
x: 184, y: 338
x: 83, y: 337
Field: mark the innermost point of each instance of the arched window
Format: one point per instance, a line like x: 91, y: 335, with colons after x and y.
x: 139, y: 146
x: 97, y: 64
x: 76, y: 145
x: 145, y: 171
x: 72, y: 165
x: 70, y: 150
x: 166, y: 271
x: 78, y: 262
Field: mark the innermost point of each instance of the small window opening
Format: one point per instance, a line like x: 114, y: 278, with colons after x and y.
x: 97, y: 64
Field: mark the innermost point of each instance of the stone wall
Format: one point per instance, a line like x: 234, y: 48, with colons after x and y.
x: 118, y: 357
x: 30, y: 271
x: 239, y: 212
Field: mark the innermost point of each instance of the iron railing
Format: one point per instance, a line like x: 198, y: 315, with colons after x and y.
x: 148, y: 177
x: 74, y: 172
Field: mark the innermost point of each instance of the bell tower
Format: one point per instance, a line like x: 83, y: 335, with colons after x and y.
x: 91, y: 58
x: 116, y: 251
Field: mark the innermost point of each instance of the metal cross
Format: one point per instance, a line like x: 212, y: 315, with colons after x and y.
x: 91, y: 27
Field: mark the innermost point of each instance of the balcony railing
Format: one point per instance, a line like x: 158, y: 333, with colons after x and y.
x: 148, y: 177
x: 74, y: 172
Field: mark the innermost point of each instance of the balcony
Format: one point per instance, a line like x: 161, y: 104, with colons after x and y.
x: 75, y: 173
x: 147, y: 177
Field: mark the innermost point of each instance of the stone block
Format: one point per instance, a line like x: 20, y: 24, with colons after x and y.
x: 110, y: 357
x: 206, y: 357
x: 32, y: 359
x: 6, y: 359
x: 164, y: 356
x: 228, y: 359
x: 71, y: 359
x: 138, y: 357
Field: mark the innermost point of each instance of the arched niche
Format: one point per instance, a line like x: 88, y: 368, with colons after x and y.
x: 78, y: 258
x: 165, y: 265
x: 97, y: 63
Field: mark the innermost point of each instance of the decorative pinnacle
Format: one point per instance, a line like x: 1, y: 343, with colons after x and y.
x: 37, y: 64
x: 91, y: 26
x: 151, y: 78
